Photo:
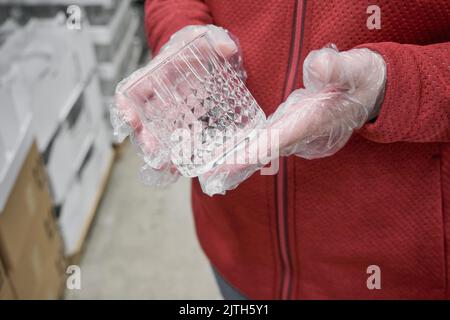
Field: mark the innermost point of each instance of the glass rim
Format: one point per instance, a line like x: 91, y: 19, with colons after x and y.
x: 147, y: 69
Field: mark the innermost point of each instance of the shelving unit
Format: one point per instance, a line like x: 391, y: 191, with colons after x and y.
x: 66, y: 79
x: 75, y: 256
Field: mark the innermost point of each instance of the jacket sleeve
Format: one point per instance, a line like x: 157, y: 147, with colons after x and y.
x: 165, y: 17
x: 416, y: 105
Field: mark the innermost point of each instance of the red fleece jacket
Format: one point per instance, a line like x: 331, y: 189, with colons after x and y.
x: 313, y: 230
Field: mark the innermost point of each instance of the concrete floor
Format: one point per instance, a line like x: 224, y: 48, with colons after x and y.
x: 142, y: 244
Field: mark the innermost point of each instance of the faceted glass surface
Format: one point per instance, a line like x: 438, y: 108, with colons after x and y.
x: 196, y: 106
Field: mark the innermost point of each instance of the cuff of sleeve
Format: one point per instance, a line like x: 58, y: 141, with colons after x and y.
x: 399, y: 107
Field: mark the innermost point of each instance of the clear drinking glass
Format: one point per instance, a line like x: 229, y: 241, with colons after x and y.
x: 199, y: 109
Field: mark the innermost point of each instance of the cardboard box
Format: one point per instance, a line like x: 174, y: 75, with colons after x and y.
x: 52, y: 286
x: 72, y: 218
x: 12, y: 162
x: 6, y: 291
x: 28, y: 200
x: 30, y: 241
x: 40, y: 272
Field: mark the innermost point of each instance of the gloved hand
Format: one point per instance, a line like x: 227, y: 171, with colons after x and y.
x: 158, y: 169
x: 343, y: 90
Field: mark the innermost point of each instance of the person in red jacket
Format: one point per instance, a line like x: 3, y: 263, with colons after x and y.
x: 370, y: 217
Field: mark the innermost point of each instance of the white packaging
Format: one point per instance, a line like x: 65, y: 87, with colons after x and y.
x: 85, y: 192
x: 72, y: 62
x: 55, y: 64
x: 15, y: 127
x: 93, y: 99
x: 66, y: 154
x: 73, y: 140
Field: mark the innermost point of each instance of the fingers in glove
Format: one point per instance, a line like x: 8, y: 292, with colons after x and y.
x: 313, y: 125
x: 239, y: 164
x: 225, y: 178
x: 358, y: 72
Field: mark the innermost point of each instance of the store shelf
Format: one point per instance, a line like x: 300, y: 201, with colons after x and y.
x: 103, y: 34
x: 76, y: 220
x: 93, y: 211
x: 127, y: 66
x: 111, y: 70
x: 74, y: 96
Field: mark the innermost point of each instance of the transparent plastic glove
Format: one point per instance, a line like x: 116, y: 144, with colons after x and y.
x: 240, y: 164
x: 158, y: 169
x: 343, y: 91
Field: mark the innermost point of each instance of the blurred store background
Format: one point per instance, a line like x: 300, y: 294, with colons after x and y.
x: 70, y: 196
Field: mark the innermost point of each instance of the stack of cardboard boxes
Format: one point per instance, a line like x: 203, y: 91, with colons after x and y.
x: 60, y: 91
x: 31, y: 248
x: 54, y: 88
x: 6, y: 291
x: 113, y: 30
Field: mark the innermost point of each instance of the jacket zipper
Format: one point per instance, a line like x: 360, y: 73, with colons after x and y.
x: 281, y: 178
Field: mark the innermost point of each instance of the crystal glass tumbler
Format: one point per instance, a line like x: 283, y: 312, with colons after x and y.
x: 198, y: 108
